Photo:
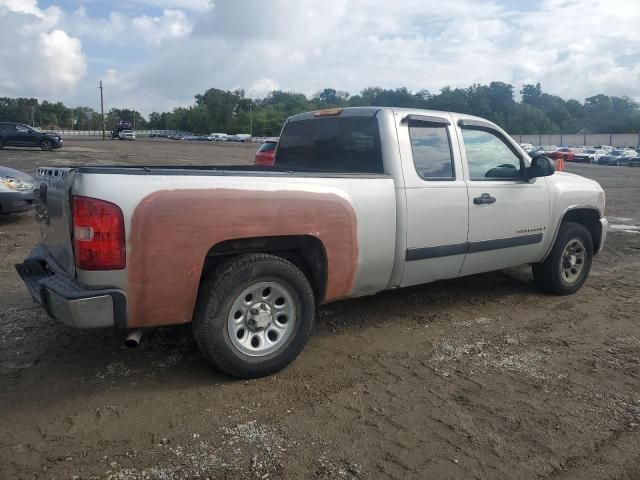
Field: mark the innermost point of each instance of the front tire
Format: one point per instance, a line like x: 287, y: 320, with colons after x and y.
x: 46, y: 145
x: 567, y: 267
x: 254, y: 315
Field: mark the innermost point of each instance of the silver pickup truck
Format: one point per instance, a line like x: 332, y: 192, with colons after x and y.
x: 359, y: 200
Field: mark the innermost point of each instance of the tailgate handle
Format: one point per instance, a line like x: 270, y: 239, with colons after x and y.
x: 484, y: 199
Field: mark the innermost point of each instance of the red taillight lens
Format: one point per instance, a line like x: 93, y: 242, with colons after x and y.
x: 265, y: 158
x: 98, y: 234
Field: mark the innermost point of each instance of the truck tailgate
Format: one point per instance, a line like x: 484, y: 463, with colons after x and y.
x: 53, y: 213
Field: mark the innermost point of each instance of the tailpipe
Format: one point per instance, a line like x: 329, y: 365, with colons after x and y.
x: 133, y: 338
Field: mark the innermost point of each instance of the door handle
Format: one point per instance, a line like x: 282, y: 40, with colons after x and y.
x: 483, y: 199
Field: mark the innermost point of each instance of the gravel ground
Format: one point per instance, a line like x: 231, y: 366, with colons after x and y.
x: 481, y: 377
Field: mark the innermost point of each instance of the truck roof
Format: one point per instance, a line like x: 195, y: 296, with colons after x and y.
x: 371, y: 111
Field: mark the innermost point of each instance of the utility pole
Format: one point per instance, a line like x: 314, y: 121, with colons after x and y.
x: 251, y: 116
x: 102, y: 109
x: 134, y: 120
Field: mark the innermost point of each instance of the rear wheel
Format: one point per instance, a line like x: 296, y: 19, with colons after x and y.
x: 46, y: 145
x: 567, y: 267
x: 254, y: 315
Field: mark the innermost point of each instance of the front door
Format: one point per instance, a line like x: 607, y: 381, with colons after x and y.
x: 436, y: 199
x: 508, y: 215
x: 23, y: 136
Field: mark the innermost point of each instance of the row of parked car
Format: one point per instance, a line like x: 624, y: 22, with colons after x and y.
x: 213, y: 137
x: 600, y: 154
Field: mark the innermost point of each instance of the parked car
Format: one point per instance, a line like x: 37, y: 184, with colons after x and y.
x: 16, y: 191
x: 19, y: 135
x: 240, y: 137
x: 360, y: 200
x: 218, y: 137
x: 127, y: 135
x: 527, y: 147
x: 634, y: 162
x: 266, y: 153
x: 588, y: 155
x: 563, y: 153
x: 617, y: 157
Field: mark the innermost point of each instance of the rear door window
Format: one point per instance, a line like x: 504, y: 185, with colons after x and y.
x: 431, y: 149
x: 331, y: 144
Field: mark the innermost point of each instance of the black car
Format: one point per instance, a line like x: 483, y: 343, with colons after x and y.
x: 19, y: 135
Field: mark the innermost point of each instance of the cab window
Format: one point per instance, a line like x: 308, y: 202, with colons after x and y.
x: 489, y: 157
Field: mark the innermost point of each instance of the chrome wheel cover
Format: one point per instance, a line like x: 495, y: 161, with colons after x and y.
x: 572, y: 262
x: 262, y: 318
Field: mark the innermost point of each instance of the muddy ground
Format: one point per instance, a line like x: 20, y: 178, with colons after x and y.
x: 482, y: 377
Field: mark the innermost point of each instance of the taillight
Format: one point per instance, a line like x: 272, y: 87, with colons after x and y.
x: 98, y: 234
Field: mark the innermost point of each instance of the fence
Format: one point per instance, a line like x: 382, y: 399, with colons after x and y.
x: 591, y: 139
x: 98, y: 133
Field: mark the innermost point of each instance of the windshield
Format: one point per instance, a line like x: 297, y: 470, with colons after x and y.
x: 616, y: 152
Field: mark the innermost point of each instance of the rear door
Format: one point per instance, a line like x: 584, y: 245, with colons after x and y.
x: 508, y: 215
x: 436, y: 196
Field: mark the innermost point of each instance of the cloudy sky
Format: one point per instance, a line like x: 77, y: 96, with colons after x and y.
x: 157, y: 54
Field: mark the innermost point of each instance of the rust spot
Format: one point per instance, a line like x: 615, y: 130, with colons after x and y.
x: 172, y: 231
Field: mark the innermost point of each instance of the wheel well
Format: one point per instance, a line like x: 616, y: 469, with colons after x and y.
x: 304, y: 251
x: 590, y: 219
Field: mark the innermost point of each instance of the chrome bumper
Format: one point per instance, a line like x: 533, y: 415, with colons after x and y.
x: 604, y: 228
x: 66, y: 300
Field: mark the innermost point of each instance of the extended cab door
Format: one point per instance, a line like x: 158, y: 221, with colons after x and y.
x: 436, y: 198
x: 508, y: 215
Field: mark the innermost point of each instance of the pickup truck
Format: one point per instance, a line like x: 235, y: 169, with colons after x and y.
x: 359, y: 200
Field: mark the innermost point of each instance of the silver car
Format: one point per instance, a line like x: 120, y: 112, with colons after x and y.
x: 16, y: 191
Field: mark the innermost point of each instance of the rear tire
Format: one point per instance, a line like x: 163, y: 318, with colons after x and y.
x: 230, y: 326
x: 567, y: 267
x: 46, y: 145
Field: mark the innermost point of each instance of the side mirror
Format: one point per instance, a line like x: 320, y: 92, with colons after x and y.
x: 540, y: 167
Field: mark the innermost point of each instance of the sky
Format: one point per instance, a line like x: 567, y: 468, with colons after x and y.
x: 154, y: 55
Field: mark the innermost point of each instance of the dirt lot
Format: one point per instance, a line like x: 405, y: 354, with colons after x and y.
x: 483, y: 377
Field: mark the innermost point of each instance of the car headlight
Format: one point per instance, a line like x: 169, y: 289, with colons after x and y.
x: 10, y: 184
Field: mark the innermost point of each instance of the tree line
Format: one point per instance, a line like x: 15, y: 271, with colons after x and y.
x: 218, y: 110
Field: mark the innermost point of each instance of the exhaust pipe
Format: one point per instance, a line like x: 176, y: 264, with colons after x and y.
x: 133, y: 338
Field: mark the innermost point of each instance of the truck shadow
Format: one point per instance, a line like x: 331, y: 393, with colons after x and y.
x: 82, y: 362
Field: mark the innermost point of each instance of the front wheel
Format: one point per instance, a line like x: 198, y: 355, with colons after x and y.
x: 567, y: 267
x: 46, y: 145
x: 254, y: 315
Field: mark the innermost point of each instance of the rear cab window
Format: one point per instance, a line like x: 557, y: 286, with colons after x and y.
x: 337, y: 144
x: 268, y: 147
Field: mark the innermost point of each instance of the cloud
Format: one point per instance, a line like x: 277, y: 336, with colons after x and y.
x: 123, y: 30
x: 166, y: 51
x: 37, y: 59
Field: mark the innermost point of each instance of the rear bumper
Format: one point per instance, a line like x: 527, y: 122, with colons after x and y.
x: 66, y: 300
x: 16, y: 201
x: 604, y: 228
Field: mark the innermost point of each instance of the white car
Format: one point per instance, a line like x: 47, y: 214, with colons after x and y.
x: 527, y: 147
x: 589, y: 155
x: 127, y: 135
x: 218, y: 137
